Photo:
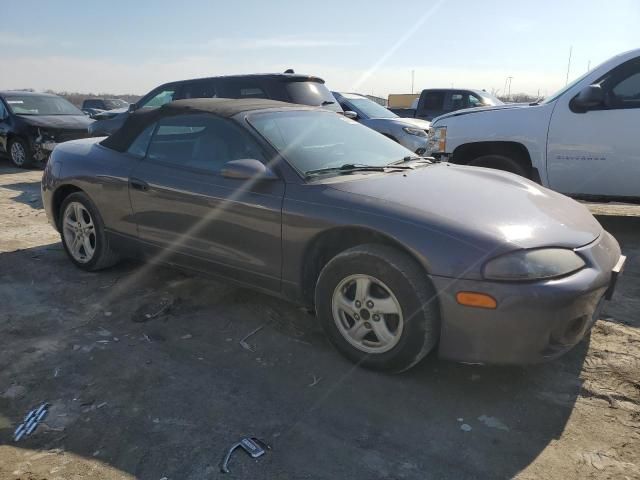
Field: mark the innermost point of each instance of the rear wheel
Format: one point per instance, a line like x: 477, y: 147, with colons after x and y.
x: 20, y: 153
x: 83, y: 236
x: 502, y: 162
x: 377, y: 307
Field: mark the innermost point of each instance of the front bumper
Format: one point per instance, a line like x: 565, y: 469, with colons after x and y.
x: 414, y: 143
x: 534, y: 321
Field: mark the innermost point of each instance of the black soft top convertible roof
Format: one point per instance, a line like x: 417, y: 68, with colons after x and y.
x: 122, y: 138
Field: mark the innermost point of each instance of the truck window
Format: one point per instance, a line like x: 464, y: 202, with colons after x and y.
x: 433, y: 101
x: 626, y: 92
x: 457, y: 101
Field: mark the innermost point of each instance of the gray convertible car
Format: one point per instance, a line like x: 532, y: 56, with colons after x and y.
x: 397, y: 255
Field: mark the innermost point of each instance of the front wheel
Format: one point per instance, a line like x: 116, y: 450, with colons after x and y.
x: 83, y: 236
x: 502, y: 162
x: 20, y: 153
x: 378, y: 308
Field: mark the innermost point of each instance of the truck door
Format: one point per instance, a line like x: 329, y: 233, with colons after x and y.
x: 597, y: 152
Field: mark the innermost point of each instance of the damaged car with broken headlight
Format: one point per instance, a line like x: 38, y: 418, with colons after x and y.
x: 397, y: 255
x: 32, y: 124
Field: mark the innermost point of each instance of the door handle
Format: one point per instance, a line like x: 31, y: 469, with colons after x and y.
x: 138, y: 184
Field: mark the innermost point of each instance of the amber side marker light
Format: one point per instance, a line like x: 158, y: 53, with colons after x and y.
x: 474, y: 299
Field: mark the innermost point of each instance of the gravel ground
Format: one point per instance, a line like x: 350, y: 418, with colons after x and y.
x: 148, y: 378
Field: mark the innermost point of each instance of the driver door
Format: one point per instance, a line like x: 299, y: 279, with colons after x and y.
x: 597, y: 152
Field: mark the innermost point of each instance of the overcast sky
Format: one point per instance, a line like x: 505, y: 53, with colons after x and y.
x: 367, y: 46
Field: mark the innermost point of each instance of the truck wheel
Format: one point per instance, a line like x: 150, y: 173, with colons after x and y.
x: 82, y: 232
x: 502, y: 162
x: 378, y: 308
x: 20, y: 153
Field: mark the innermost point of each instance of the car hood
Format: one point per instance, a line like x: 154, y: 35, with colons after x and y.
x: 477, y: 203
x: 413, y: 122
x: 467, y: 111
x: 390, y: 124
x: 66, y: 122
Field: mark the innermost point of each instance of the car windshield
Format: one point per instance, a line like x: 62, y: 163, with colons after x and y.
x: 311, y: 93
x: 315, y: 140
x: 41, y: 105
x: 370, y: 108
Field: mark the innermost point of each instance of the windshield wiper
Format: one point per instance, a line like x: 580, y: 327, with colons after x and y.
x: 326, y: 102
x: 409, y: 158
x: 352, y: 167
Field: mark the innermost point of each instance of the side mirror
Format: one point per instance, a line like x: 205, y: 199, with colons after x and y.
x: 351, y: 114
x: 246, y: 169
x: 132, y: 107
x: 589, y: 97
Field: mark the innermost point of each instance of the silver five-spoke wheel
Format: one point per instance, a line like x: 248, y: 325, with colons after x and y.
x: 367, y: 313
x: 79, y: 232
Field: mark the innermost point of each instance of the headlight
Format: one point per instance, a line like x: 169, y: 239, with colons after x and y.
x: 44, y: 136
x: 437, y: 140
x: 415, y: 131
x: 533, y: 264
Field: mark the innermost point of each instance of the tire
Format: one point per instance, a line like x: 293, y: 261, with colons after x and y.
x: 395, y: 280
x: 502, y: 162
x: 20, y: 153
x: 78, y: 213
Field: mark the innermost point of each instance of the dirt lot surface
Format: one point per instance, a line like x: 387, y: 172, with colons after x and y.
x: 147, y: 378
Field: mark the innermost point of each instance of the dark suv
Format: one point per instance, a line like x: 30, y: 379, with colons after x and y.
x: 286, y: 87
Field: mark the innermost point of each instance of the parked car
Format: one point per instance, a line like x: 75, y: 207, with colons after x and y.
x: 32, y: 124
x: 287, y: 87
x: 408, y: 132
x: 582, y: 141
x: 396, y: 254
x: 104, y: 103
x: 434, y: 102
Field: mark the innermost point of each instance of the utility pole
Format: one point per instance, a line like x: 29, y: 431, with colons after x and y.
x: 569, y: 64
x: 510, y: 79
x: 413, y: 76
x: 589, y: 66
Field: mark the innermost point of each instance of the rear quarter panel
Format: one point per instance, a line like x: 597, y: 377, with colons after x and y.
x: 103, y: 174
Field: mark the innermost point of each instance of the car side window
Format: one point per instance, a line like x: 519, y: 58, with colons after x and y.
x: 162, y: 97
x: 3, y: 111
x: 140, y: 145
x: 243, y: 89
x: 201, y: 141
x: 199, y: 89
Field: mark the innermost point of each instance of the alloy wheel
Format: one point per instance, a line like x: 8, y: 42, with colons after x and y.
x: 367, y: 313
x: 79, y: 232
x: 18, y: 154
